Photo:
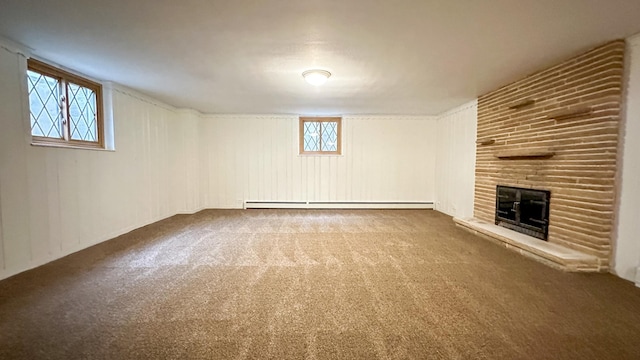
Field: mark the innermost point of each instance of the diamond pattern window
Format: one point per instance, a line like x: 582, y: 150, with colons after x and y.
x: 65, y: 109
x: 320, y: 135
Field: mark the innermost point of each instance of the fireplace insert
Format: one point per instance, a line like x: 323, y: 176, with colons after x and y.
x: 523, y: 210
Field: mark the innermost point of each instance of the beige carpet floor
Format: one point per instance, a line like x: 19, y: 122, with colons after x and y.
x: 292, y: 284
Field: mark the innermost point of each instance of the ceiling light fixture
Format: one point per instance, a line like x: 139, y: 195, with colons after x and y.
x: 316, y: 77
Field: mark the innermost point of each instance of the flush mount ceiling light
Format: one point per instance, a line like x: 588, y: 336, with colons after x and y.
x: 316, y: 77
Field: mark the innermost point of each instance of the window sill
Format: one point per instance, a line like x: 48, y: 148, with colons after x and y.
x: 322, y: 155
x: 70, y: 146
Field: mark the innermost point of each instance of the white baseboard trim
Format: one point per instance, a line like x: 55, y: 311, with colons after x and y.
x: 638, y: 276
x: 337, y: 205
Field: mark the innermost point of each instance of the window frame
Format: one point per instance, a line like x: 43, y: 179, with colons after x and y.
x: 65, y: 78
x: 336, y: 119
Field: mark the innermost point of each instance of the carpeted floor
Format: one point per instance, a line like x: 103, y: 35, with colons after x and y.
x: 233, y: 284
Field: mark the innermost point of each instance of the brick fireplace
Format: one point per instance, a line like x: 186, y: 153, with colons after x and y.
x: 556, y: 130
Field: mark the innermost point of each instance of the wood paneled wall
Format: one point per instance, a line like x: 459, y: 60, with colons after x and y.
x: 455, y: 160
x: 581, y: 173
x: 54, y: 201
x: 255, y: 157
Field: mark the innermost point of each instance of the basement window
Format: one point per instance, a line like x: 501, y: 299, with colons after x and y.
x: 320, y: 135
x: 65, y: 109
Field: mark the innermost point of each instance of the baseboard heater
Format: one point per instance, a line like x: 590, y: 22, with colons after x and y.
x: 337, y: 205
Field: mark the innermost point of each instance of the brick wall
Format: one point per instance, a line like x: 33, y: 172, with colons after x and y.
x: 572, y: 125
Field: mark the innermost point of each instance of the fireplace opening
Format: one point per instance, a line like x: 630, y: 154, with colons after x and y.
x: 523, y: 210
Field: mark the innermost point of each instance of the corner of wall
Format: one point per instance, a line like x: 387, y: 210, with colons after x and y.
x: 633, y: 39
x: 109, y: 128
x: 455, y: 160
x: 189, y: 111
x: 15, y: 47
x: 468, y: 105
x: 626, y: 248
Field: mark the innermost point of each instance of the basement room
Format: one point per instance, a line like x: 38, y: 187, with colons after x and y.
x: 246, y: 179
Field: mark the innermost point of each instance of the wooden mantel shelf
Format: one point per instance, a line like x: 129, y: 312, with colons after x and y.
x: 564, y: 115
x: 521, y: 104
x: 485, y: 141
x: 523, y: 154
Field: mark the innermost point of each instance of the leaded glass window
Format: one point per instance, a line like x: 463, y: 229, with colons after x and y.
x: 65, y: 109
x: 320, y: 135
x: 44, y: 101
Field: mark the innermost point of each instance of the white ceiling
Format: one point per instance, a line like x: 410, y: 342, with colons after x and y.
x: 247, y: 56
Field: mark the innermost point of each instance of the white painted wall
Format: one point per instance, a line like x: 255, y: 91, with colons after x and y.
x: 54, y: 201
x: 256, y: 158
x: 185, y: 162
x: 455, y: 160
x: 627, y: 245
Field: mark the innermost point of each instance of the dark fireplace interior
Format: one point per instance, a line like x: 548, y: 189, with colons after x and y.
x: 523, y: 210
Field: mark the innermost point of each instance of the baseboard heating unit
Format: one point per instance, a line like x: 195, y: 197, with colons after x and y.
x: 336, y: 205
